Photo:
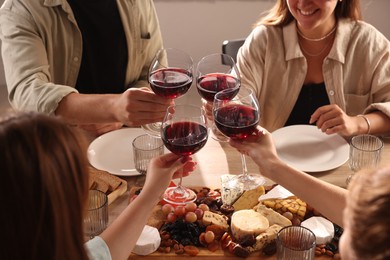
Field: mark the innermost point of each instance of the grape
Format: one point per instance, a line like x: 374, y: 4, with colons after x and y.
x: 167, y: 208
x: 191, y: 217
x: 209, y: 237
x: 288, y: 215
x: 296, y: 221
x: 171, y: 217
x: 180, y: 211
x: 204, y: 207
x: 190, y: 207
x: 199, y: 213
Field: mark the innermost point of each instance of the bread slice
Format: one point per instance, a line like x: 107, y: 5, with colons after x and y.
x: 112, y: 181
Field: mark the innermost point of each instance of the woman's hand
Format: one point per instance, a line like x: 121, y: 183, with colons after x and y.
x: 208, y: 107
x: 163, y: 169
x: 260, y: 147
x: 331, y: 119
x: 140, y: 106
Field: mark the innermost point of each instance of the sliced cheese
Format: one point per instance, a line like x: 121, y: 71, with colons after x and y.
x: 248, y: 199
x: 272, y: 216
x: 265, y: 238
x: 148, y: 241
x: 247, y: 222
x: 216, y: 219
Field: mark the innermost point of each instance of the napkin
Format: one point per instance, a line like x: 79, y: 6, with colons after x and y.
x: 278, y: 192
x: 321, y: 227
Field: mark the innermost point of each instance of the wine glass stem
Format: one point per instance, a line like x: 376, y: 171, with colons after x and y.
x: 244, y: 167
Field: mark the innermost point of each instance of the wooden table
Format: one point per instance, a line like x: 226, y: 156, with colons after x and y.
x: 214, y: 160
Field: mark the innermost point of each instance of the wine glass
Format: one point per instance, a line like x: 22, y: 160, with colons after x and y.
x: 216, y: 72
x: 169, y: 76
x: 237, y: 118
x: 365, y: 152
x: 184, y: 132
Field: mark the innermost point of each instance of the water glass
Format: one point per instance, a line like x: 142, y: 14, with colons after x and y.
x: 295, y: 243
x: 365, y: 152
x: 96, y: 219
x: 146, y: 147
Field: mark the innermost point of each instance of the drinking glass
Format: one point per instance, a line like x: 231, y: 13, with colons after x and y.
x: 295, y: 243
x: 169, y: 76
x: 216, y: 72
x: 96, y: 219
x: 237, y: 118
x: 146, y: 147
x: 184, y: 132
x: 364, y: 152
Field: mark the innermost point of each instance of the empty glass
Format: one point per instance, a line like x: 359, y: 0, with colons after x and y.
x: 146, y: 147
x: 365, y: 152
x: 295, y: 243
x: 96, y: 218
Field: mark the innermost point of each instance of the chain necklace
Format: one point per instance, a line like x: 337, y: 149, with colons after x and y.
x: 318, y: 39
x: 315, y: 54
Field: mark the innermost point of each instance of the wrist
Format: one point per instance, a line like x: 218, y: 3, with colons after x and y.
x: 365, y: 124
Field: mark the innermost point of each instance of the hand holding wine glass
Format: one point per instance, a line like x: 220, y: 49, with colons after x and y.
x: 184, y: 132
x: 216, y: 72
x: 237, y: 118
x: 169, y: 76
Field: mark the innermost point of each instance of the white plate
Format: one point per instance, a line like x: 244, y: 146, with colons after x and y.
x: 308, y: 149
x: 113, y: 151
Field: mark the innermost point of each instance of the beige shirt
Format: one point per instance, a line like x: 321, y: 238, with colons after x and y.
x: 356, y: 71
x: 42, y: 49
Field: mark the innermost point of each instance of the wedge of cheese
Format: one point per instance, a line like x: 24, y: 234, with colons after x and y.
x: 248, y: 199
x: 272, y: 216
x: 265, y: 238
x: 216, y: 219
x: 247, y: 222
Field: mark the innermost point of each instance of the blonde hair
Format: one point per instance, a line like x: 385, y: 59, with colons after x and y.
x: 368, y: 210
x: 280, y: 15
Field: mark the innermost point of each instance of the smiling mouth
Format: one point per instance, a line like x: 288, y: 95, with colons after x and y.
x: 307, y: 13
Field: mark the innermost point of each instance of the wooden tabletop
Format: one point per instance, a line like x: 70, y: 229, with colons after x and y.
x: 214, y: 160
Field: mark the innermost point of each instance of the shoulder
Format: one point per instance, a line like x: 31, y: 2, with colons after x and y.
x: 362, y: 32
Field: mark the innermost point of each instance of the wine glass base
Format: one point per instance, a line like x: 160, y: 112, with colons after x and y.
x: 247, y: 182
x: 179, y: 195
x: 153, y: 129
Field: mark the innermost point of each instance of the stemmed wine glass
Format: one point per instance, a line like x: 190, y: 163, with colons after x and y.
x: 169, y: 76
x: 216, y: 72
x: 237, y: 118
x: 184, y: 132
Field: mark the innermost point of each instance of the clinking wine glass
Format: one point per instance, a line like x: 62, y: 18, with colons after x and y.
x: 169, y: 76
x: 184, y: 132
x: 237, y: 118
x: 216, y: 72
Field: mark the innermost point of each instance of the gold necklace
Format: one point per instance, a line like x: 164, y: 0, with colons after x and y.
x: 318, y: 39
x: 315, y: 54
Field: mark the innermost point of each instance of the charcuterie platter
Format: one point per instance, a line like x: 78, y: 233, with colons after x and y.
x: 245, y: 228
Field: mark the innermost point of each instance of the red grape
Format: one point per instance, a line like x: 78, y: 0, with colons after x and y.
x: 180, y: 211
x: 191, y: 207
x: 167, y: 208
x: 191, y: 217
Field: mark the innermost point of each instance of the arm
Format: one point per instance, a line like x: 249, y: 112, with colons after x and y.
x: 326, y: 198
x: 123, y: 233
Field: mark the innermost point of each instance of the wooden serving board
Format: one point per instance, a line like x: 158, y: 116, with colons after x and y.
x: 204, y: 253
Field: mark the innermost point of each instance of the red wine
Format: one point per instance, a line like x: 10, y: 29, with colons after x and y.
x: 236, y: 121
x: 210, y: 84
x: 170, y: 82
x: 184, y: 138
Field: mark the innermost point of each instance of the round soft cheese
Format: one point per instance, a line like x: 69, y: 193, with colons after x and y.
x: 247, y: 222
x: 148, y: 241
x: 321, y: 227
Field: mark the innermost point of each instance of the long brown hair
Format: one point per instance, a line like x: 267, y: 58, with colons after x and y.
x: 43, y: 188
x: 280, y: 15
x: 368, y: 210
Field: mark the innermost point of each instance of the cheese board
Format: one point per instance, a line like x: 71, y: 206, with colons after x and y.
x: 225, y: 244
